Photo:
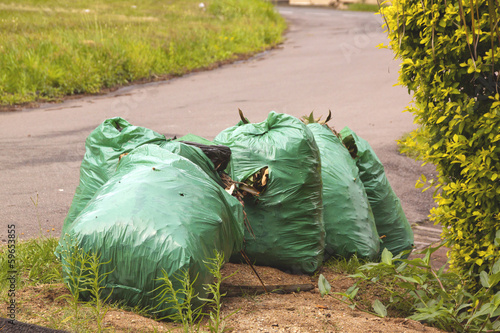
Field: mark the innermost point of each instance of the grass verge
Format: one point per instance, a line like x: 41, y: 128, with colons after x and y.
x: 34, y: 264
x: 41, y: 297
x: 50, y: 49
x: 362, y: 7
x: 46, y: 301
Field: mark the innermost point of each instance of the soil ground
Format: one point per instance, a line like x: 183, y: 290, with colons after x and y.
x: 297, y: 311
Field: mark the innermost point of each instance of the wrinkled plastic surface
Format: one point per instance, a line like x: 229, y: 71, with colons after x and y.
x: 349, y: 222
x: 287, y: 217
x: 390, y: 218
x: 219, y: 155
x: 159, y: 210
x: 196, y: 156
x: 103, y: 148
x: 195, y: 138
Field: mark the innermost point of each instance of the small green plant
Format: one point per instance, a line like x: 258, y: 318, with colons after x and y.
x: 35, y: 203
x: 437, y: 297
x: 347, y: 297
x: 82, y: 271
x: 95, y: 282
x: 35, y: 262
x: 179, y: 300
x: 214, y: 265
x: 75, y: 259
x: 343, y: 265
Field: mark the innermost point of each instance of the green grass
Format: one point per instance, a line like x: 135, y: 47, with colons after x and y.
x: 79, y: 305
x: 362, y: 7
x: 35, y: 263
x: 53, y: 48
x: 341, y: 265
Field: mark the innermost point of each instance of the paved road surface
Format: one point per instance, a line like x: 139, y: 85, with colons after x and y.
x: 328, y: 61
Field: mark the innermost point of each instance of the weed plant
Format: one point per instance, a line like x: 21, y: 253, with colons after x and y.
x: 35, y: 263
x: 342, y: 265
x: 179, y: 301
x: 437, y: 297
x: 85, y: 277
x: 95, y: 286
x: 75, y: 259
x: 216, y: 322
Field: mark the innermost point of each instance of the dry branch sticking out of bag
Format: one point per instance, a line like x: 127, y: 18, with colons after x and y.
x: 232, y: 189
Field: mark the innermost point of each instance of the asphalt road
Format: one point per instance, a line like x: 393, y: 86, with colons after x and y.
x: 328, y: 61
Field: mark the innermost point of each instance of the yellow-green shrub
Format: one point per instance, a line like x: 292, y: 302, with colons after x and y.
x: 447, y: 62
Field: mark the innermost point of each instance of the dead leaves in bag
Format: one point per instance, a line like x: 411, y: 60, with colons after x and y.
x: 256, y: 183
x: 253, y: 185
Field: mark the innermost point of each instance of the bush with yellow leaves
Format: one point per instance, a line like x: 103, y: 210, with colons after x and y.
x: 450, y: 52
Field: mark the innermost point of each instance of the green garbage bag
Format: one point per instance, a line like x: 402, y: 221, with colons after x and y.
x: 219, y: 155
x: 103, y: 148
x: 194, y: 138
x: 158, y: 211
x: 197, y: 156
x: 349, y: 223
x: 286, y: 218
x: 390, y: 218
